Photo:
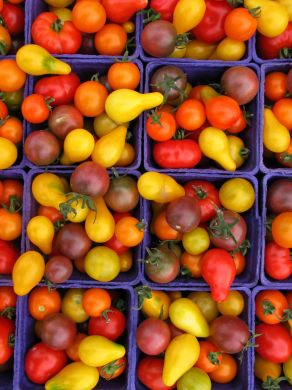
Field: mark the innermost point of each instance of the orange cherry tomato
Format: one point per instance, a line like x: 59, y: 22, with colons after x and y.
x: 239, y: 261
x: 73, y: 350
x: 282, y: 110
x: 227, y: 370
x: 129, y: 231
x: 88, y: 16
x: 11, y: 187
x: 240, y: 25
x: 161, y: 125
x: 42, y: 302
x: 12, y: 78
x: 53, y: 214
x: 12, y: 129
x: 123, y: 75
x: 35, y: 108
x: 190, y: 115
x: 210, y: 357
x: 239, y: 125
x: 90, y: 98
x: 275, y: 85
x: 10, y: 225
x: 282, y: 229
x: 270, y: 305
x: 191, y: 264
x: 3, y: 110
x: 163, y: 230
x: 8, y: 298
x: 95, y: 301
x: 111, y: 40
x: 222, y: 111
x: 5, y: 41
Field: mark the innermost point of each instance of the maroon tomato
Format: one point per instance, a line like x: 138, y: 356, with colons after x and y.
x: 122, y: 195
x: 149, y: 372
x: 13, y: 17
x: 42, y: 363
x: 153, y: 336
x: 58, y: 331
x: 279, y: 198
x: 41, y: 147
x: 158, y: 38
x: 8, y: 256
x: 64, y: 119
x: 183, y: 214
x: 162, y: 265
x: 7, y: 329
x: 58, y: 269
x: 111, y: 324
x: 175, y: 77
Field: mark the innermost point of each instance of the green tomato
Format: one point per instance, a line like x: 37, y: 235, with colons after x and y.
x: 197, y: 241
x: 194, y: 379
x: 13, y: 99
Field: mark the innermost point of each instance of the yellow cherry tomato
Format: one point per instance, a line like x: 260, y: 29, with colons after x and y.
x: 188, y: 14
x: 230, y: 50
x: 64, y: 14
x: 72, y: 305
x: 179, y: 52
x: 127, y: 157
x: 288, y: 5
x: 198, y: 50
x: 102, y: 264
x: 8, y: 153
x: 237, y: 195
x: 80, y: 212
x: 40, y: 231
x: 48, y: 190
x: 157, y: 306
x: 129, y: 27
x: 197, y: 241
x: 100, y: 224
x: 78, y: 145
x: 264, y: 368
x: 206, y: 304
x: 238, y: 151
x: 126, y: 261
x: 233, y: 304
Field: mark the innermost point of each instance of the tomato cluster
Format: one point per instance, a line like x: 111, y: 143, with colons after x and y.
x: 279, y: 230
x: 273, y: 337
x: 12, y: 26
x: 197, y: 125
x: 174, y: 321
x: 79, y: 336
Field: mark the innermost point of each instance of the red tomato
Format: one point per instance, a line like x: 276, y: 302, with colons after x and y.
x: 8, y: 256
x: 222, y: 112
x: 277, y: 261
x: 13, y: 16
x: 50, y: 212
x: 42, y: 363
x: 239, y: 125
x: 7, y: 298
x: 116, y: 245
x: 190, y: 115
x: 153, y: 336
x: 7, y: 329
x: 11, y: 187
x: 161, y: 125
x: 35, y: 108
x: 111, y: 324
x: 149, y: 372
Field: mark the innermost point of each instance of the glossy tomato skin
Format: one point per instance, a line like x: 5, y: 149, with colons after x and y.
x: 178, y: 77
x: 165, y: 268
x: 279, y: 198
x: 122, y: 195
x: 158, y: 38
x: 13, y: 16
x: 7, y: 298
x: 278, y: 264
x: 64, y: 119
x: 177, y: 153
x: 150, y: 373
x: 42, y: 363
x: 164, y: 7
x: 153, y: 336
x: 61, y: 88
x: 58, y: 331
x: 7, y: 329
x: 8, y: 256
x: 183, y: 214
x: 112, y: 328
x: 275, y: 342
x: 41, y: 147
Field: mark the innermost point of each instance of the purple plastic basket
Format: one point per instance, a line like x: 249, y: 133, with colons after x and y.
x: 38, y: 6
x: 199, y: 73
x: 244, y: 376
x: 131, y: 277
x: 255, y: 383
x: 267, y: 180
x: 273, y: 165
x: 27, y: 339
x: 17, y: 174
x: 146, y: 58
x: 250, y: 276
x: 85, y: 69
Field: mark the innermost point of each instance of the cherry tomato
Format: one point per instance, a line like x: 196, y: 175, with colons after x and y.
x: 13, y: 16
x: 123, y: 75
x: 190, y: 115
x: 90, y: 98
x: 35, y: 109
x: 7, y: 299
x: 191, y: 264
x: 88, y: 16
x: 42, y: 302
x: 161, y: 125
x: 163, y: 230
x: 222, y: 112
x: 7, y: 329
x: 240, y: 25
x: 282, y: 110
x: 12, y: 130
x: 116, y: 245
x: 239, y: 262
x: 227, y: 370
x: 282, y: 229
x: 111, y: 324
x: 111, y: 40
x: 12, y: 78
x: 95, y: 301
x: 3, y: 110
x: 5, y: 41
x: 53, y: 214
x: 149, y: 372
x: 10, y: 225
x: 8, y: 256
x: 73, y: 350
x: 11, y: 187
x: 270, y: 306
x: 129, y: 231
x: 210, y: 357
x: 275, y: 85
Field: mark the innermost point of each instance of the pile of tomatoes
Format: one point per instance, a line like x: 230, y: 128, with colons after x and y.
x: 277, y: 118
x: 279, y: 230
x: 201, y: 233
x: 12, y: 26
x: 86, y: 27
x: 174, y: 322
x: 197, y: 125
x: 273, y: 338
x: 79, y: 336
x: 8, y: 301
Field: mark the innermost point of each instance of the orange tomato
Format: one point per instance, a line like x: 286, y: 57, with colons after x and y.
x: 239, y: 261
x: 1, y: 5
x: 129, y: 231
x: 53, y: 214
x: 111, y: 40
x: 129, y: 27
x: 282, y: 110
x: 227, y: 370
x: 90, y: 98
x: 88, y: 16
x: 276, y: 85
x: 3, y: 110
x: 190, y: 115
x: 163, y: 230
x: 123, y: 75
x: 270, y: 305
x: 35, y: 108
x: 240, y: 25
x: 10, y: 225
x: 42, y: 302
x: 73, y: 350
x: 95, y: 301
x: 11, y: 187
x: 210, y: 357
x: 192, y: 263
x: 12, y: 129
x: 282, y: 229
x: 5, y: 41
x: 12, y: 78
x: 126, y: 261
x: 127, y: 157
x: 239, y: 125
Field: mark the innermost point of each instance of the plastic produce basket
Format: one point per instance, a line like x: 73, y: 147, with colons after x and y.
x: 250, y: 49
x: 265, y: 165
x: 128, y: 278
x: 250, y: 276
x: 17, y: 174
x: 265, y: 279
x: 255, y: 383
x: 35, y: 7
x: 244, y: 376
x: 200, y: 73
x: 27, y: 338
x: 85, y: 69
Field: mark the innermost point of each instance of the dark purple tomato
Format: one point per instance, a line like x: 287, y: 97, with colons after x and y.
x: 91, y: 179
x: 87, y: 45
x: 169, y: 80
x: 158, y: 38
x: 41, y: 147
x: 58, y: 269
x: 122, y: 195
x: 228, y: 230
x: 229, y: 333
x: 162, y: 266
x: 240, y: 83
x: 72, y: 241
x: 183, y: 214
x: 58, y: 331
x: 279, y: 199
x: 64, y: 119
x: 153, y: 336
x: 289, y: 81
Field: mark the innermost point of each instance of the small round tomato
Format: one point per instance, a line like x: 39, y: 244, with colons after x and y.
x: 230, y: 50
x: 129, y: 27
x: 270, y: 306
x: 113, y: 369
x: 157, y: 306
x: 35, y: 108
x: 282, y: 110
x: 227, y: 370
x: 53, y: 214
x: 282, y: 229
x: 8, y: 152
x: 163, y: 230
x: 73, y: 350
x: 111, y: 40
x: 197, y: 241
x: 191, y: 264
x: 130, y: 231
x: 222, y: 111
x: 7, y: 299
x: 240, y: 25
x: 12, y: 78
x: 90, y: 98
x: 10, y: 225
x: 12, y: 130
x: 161, y: 125
x: 13, y: 17
x: 11, y: 187
x: 42, y: 302
x: 88, y: 16
x: 190, y: 115
x: 206, y: 304
x: 123, y: 75
x: 111, y: 324
x: 149, y: 372
x: 95, y: 301
x: 275, y: 85
x: 237, y: 195
x: 239, y: 125
x: 126, y: 261
x: 127, y: 157
x: 72, y: 305
x: 7, y: 329
x: 233, y: 304
x: 210, y: 357
x: 8, y: 256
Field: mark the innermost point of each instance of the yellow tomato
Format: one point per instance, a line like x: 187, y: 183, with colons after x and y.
x: 78, y: 145
x: 157, y: 306
x: 237, y: 195
x: 264, y: 368
x: 72, y: 305
x: 233, y: 304
x: 230, y: 50
x: 48, y: 189
x: 80, y: 212
x: 198, y: 50
x: 127, y: 157
x: 8, y: 153
x: 102, y: 264
x: 179, y: 52
x: 64, y: 14
x: 40, y: 231
x: 197, y: 241
x: 206, y: 304
x: 126, y: 261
